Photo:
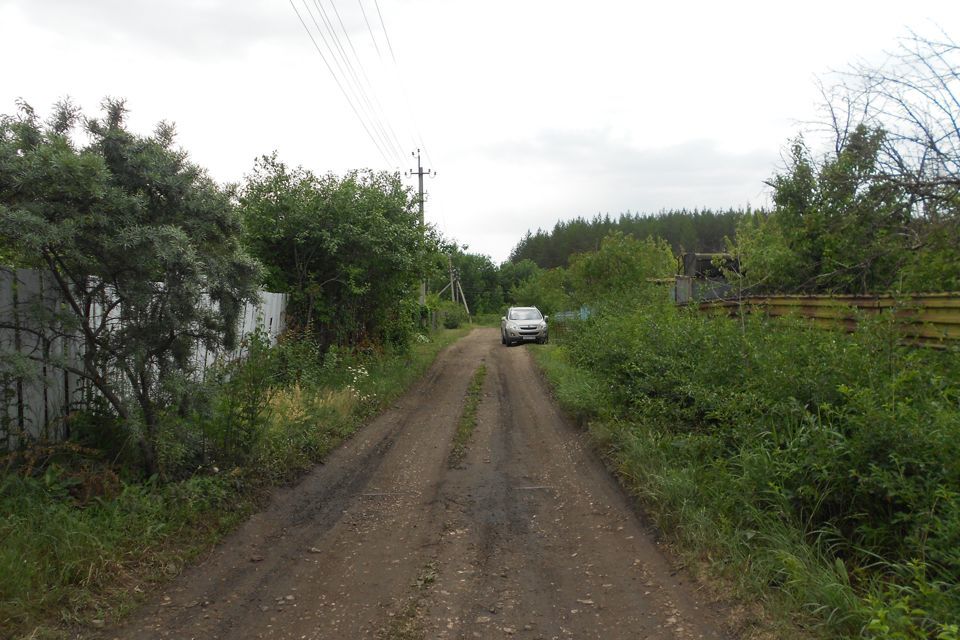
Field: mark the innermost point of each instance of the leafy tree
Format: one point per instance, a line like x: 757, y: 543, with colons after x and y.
x: 619, y: 268
x: 616, y: 273
x: 480, y: 281
x: 128, y: 226
x: 837, y: 226
x: 512, y: 274
x: 881, y: 210
x: 913, y: 95
x: 350, y: 250
x: 546, y: 289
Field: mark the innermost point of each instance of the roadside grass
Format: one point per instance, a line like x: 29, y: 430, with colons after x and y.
x: 683, y: 508
x: 811, y: 472
x: 63, y: 564
x: 69, y: 559
x: 486, y: 320
x: 579, y: 392
x: 468, y: 419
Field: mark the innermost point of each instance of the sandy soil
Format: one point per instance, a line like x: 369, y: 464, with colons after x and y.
x: 528, y: 537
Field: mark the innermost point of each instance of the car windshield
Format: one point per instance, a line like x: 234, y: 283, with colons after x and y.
x: 525, y: 314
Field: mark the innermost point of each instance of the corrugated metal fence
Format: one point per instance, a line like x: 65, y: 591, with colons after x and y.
x: 35, y: 393
x: 931, y: 319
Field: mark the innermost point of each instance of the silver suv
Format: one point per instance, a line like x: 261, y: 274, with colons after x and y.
x: 523, y: 324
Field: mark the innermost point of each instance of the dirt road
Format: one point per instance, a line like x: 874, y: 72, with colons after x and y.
x: 527, y: 537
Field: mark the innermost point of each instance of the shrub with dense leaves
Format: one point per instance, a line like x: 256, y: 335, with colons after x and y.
x: 847, y: 445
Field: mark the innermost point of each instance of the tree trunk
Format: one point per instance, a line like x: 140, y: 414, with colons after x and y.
x: 148, y: 440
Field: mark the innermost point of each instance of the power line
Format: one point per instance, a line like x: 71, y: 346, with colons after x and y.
x: 370, y: 29
x: 410, y: 112
x: 376, y: 47
x: 363, y: 72
x: 350, y: 74
x: 356, y: 90
x: 337, y: 81
x: 346, y: 66
x: 376, y: 3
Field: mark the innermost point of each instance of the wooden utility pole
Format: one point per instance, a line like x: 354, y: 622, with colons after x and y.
x: 456, y: 286
x: 420, y: 173
x: 453, y: 289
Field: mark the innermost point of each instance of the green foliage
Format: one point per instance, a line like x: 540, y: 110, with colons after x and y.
x: 697, y: 230
x: 934, y: 266
x: 125, y: 224
x: 900, y: 611
x: 244, y: 389
x: 620, y: 267
x: 480, y: 280
x: 821, y: 465
x: 548, y: 290
x: 512, y: 275
x: 349, y: 250
x: 837, y: 227
x: 453, y: 314
x: 487, y: 288
x: 909, y: 102
x: 58, y: 557
x: 843, y: 225
x: 617, y: 271
x: 581, y: 393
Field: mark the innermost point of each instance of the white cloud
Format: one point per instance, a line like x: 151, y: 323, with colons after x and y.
x: 530, y: 111
x: 183, y: 28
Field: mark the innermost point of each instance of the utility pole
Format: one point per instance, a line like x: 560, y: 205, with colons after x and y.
x: 453, y: 288
x: 420, y: 173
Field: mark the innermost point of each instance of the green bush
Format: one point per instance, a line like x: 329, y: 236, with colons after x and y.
x: 453, y: 315
x: 829, y: 464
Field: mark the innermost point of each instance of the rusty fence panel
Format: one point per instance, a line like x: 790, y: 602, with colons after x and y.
x: 931, y: 319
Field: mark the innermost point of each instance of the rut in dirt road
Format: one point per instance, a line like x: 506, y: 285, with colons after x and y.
x: 526, y: 537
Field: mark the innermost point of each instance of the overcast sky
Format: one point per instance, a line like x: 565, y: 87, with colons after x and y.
x: 530, y: 111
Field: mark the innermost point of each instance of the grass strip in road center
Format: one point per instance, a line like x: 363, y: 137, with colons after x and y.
x: 408, y: 623
x: 468, y: 420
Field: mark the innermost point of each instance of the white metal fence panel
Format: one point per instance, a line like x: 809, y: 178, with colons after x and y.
x: 11, y: 385
x: 37, y: 348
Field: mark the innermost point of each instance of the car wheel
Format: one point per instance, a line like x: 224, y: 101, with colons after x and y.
x: 503, y: 339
